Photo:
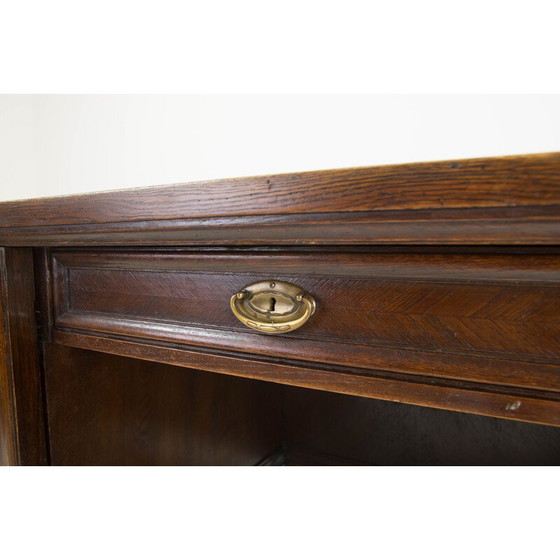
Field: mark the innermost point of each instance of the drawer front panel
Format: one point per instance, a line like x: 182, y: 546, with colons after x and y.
x: 483, y: 318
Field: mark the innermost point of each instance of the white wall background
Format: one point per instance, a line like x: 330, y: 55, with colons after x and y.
x: 60, y: 144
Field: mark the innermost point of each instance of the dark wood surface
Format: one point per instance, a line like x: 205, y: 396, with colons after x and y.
x: 466, y: 322
x: 508, y: 200
x: 491, y: 400
x: 437, y: 285
x: 108, y: 410
x: 415, y: 309
x: 22, y: 418
x: 327, y: 429
x: 9, y: 452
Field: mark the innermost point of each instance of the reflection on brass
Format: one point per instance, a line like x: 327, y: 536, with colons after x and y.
x: 272, y: 306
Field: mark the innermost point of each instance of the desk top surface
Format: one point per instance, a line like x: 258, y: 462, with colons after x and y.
x: 505, y: 200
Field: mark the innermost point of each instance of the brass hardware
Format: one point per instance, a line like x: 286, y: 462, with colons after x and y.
x: 272, y: 306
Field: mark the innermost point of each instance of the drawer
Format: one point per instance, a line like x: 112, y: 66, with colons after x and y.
x: 482, y: 318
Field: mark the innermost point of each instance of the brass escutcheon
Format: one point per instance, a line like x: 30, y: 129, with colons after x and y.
x: 272, y: 306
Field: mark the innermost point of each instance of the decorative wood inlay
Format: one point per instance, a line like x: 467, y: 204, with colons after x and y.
x: 422, y: 314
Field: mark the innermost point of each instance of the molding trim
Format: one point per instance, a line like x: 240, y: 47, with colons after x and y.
x: 508, y: 200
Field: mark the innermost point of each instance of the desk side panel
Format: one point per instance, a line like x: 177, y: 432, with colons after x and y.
x: 23, y: 439
x: 110, y: 410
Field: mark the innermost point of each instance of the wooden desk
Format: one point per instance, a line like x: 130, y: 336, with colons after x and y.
x: 435, y: 337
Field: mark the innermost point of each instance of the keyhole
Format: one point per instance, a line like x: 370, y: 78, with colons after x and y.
x: 272, y: 304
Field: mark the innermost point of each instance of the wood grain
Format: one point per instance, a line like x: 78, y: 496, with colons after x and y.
x: 438, y: 284
x: 326, y: 429
x: 491, y: 400
x: 481, y: 318
x: 22, y: 416
x: 109, y: 410
x: 508, y: 200
x: 9, y: 451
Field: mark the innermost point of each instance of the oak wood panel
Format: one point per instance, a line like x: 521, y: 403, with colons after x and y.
x: 509, y: 200
x: 507, y: 226
x: 475, y: 183
x: 470, y: 327
x: 495, y: 263
x: 491, y: 400
x: 327, y: 429
x: 483, y: 318
x: 22, y: 422
x: 110, y: 410
x: 9, y: 452
x: 43, y: 292
x: 425, y: 314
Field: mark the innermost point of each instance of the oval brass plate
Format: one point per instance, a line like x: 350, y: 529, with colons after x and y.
x: 272, y: 306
